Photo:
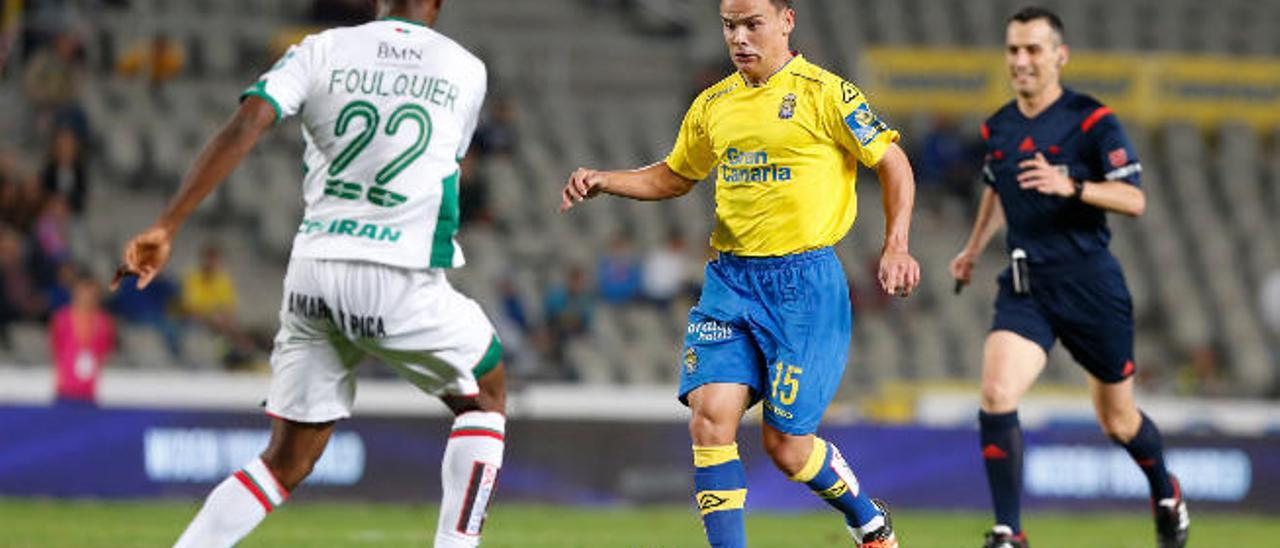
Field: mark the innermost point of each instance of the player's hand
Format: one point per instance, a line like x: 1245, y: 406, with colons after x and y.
x: 899, y: 272
x: 1041, y: 176
x: 583, y: 184
x: 144, y: 256
x: 962, y: 268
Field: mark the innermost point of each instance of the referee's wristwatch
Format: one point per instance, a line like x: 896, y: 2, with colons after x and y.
x: 1078, y: 193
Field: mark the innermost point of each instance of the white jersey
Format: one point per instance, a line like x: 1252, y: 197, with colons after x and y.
x: 388, y: 109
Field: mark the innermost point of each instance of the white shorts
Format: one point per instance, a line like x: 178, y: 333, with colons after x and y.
x: 334, y: 312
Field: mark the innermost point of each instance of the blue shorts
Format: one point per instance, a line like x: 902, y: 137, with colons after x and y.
x: 1085, y: 304
x: 780, y: 326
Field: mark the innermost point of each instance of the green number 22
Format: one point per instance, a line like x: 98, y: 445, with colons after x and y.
x: 365, y: 110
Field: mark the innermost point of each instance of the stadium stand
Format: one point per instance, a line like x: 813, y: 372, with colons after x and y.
x: 609, y: 91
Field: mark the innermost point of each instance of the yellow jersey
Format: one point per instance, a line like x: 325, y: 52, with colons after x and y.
x: 783, y: 154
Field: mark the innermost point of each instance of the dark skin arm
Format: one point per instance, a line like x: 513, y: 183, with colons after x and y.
x: 148, y: 252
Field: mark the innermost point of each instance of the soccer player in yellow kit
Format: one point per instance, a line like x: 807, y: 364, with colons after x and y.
x: 783, y: 138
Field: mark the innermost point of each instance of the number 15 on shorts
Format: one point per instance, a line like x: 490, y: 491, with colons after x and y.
x: 786, y: 383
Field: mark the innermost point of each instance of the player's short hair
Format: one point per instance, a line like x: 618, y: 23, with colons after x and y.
x: 1032, y: 13
x: 783, y: 4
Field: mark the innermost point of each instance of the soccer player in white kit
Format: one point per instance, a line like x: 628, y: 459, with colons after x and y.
x: 388, y: 108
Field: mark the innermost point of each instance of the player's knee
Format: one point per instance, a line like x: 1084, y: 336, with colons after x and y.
x: 706, y: 429
x: 998, y: 398
x: 1119, y: 426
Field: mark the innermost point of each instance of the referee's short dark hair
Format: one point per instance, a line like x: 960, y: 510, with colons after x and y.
x: 1032, y: 13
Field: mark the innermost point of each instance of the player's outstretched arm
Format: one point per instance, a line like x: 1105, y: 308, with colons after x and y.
x: 146, y: 254
x: 990, y: 219
x: 654, y: 182
x: 899, y: 271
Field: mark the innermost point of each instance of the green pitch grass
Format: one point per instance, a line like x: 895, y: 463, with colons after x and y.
x: 32, y: 523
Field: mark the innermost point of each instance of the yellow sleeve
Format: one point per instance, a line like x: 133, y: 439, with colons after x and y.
x: 854, y: 125
x: 692, y: 156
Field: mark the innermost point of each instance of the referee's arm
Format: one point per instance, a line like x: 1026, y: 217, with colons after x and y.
x: 1117, y: 196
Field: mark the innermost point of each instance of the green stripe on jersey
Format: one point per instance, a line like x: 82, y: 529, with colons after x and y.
x: 259, y: 89
x: 491, y: 358
x: 446, y: 223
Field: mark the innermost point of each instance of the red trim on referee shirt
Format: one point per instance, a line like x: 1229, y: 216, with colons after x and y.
x: 475, y: 432
x: 986, y: 132
x: 248, y: 484
x: 1093, y: 118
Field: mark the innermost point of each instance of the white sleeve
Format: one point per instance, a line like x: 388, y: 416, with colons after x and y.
x: 473, y: 114
x: 286, y: 85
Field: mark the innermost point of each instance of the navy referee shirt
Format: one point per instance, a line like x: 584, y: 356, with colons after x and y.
x: 1076, y: 134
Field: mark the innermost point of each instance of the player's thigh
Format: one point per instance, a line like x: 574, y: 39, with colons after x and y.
x: 719, y: 352
x: 312, y: 365
x: 438, y: 339
x: 1011, y: 363
x: 805, y: 329
x: 312, y: 379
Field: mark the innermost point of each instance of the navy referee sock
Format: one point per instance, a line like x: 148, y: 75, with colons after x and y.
x: 1147, y: 449
x: 1002, y: 454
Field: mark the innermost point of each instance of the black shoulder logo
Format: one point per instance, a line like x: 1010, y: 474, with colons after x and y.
x: 850, y: 92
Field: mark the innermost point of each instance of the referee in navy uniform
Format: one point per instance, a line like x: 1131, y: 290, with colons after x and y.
x: 1056, y: 163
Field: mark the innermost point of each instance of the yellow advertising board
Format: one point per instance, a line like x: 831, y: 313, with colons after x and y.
x: 1145, y: 88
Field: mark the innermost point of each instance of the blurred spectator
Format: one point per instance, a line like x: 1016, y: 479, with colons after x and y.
x: 619, y: 271
x: 473, y: 193
x: 208, y: 292
x: 513, y: 310
x: 158, y: 60
x: 52, y: 232
x: 497, y: 133
x: 58, y: 290
x: 948, y: 165
x: 19, y: 299
x: 569, y: 311
x: 515, y: 330
x: 52, y: 84
x: 666, y: 270
x: 21, y: 200
x: 152, y: 307
x: 21, y: 292
x: 209, y: 296
x: 65, y: 174
x: 81, y: 339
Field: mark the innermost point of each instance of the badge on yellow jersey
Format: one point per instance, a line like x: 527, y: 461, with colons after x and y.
x: 788, y: 108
